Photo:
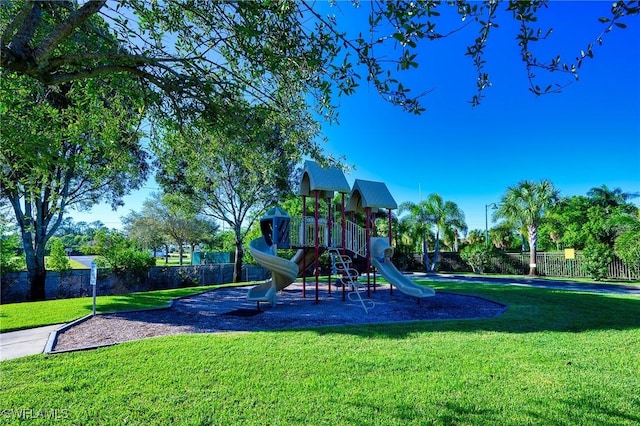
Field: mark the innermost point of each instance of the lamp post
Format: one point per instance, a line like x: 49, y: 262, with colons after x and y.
x: 486, y: 222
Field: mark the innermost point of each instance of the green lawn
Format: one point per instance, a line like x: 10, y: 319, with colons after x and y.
x: 77, y: 265
x: 72, y: 262
x: 556, y: 358
x: 17, y: 316
x: 173, y: 260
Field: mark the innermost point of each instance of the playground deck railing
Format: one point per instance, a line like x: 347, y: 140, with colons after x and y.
x: 303, y: 234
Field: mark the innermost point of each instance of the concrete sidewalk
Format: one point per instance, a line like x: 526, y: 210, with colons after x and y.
x: 21, y: 343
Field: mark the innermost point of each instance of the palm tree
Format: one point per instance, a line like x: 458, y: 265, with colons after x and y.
x: 503, y: 235
x: 447, y: 218
x: 526, y: 203
x: 608, y: 198
x: 475, y: 236
x: 419, y: 221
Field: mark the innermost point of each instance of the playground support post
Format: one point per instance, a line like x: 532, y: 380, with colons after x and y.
x: 344, y: 240
x: 375, y: 275
x: 390, y: 241
x: 368, y: 247
x: 317, y: 241
x: 304, y: 244
x: 343, y: 222
x: 374, y: 232
x: 329, y: 238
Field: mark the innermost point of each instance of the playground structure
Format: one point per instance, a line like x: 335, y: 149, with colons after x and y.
x: 343, y: 238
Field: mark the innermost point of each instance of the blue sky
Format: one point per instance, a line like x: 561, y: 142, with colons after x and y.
x: 587, y: 136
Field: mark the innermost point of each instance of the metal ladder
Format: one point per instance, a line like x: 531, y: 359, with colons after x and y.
x: 350, y: 277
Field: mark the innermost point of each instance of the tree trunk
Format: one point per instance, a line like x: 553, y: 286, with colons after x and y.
x: 533, y: 245
x: 35, y: 267
x: 425, y: 250
x: 38, y: 278
x: 455, y: 241
x: 35, y: 232
x: 435, y: 253
x: 237, y: 267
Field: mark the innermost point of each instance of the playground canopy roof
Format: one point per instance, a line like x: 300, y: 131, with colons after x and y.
x: 368, y: 194
x: 275, y: 212
x: 316, y: 178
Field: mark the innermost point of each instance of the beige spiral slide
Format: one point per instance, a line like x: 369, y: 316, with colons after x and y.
x: 283, y: 271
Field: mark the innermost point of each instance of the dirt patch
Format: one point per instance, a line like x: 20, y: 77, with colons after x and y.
x: 227, y: 309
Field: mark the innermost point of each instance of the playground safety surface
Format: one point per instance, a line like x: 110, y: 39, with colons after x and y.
x: 227, y: 309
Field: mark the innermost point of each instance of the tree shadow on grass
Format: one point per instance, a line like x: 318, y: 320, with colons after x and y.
x: 158, y: 299
x: 529, y: 310
x: 521, y: 310
x: 583, y: 410
x: 446, y: 413
x: 123, y: 303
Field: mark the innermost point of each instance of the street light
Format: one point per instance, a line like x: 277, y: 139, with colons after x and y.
x: 486, y: 222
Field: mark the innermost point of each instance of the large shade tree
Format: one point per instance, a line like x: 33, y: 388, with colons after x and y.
x: 146, y: 228
x: 63, y: 144
x: 66, y: 146
x: 233, y: 172
x: 526, y: 204
x: 166, y: 219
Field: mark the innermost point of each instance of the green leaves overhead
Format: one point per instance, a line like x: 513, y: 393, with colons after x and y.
x: 72, y: 144
x: 527, y: 13
x: 193, y: 53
